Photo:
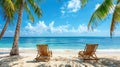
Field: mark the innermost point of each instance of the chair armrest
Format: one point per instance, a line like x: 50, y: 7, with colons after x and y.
x: 50, y: 53
x: 81, y: 54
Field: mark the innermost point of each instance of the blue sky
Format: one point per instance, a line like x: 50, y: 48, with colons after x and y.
x: 65, y: 18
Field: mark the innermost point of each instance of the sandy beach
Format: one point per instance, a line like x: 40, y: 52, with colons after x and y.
x: 60, y: 58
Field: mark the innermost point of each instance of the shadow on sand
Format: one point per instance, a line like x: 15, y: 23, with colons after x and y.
x: 7, y: 61
x: 102, y: 62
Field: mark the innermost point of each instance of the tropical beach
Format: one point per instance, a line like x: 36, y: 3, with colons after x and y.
x: 59, y: 33
x: 64, y: 54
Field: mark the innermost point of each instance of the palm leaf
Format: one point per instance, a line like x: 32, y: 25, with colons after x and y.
x: 29, y: 12
x: 84, y: 2
x: 115, y: 18
x: 17, y: 3
x: 101, y: 13
x: 36, y: 8
x: 9, y: 8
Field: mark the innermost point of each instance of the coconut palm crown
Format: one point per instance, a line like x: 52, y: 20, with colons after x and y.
x: 8, y: 10
x: 103, y: 11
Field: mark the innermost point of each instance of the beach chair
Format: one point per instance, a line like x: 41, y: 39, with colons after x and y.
x: 43, y: 53
x: 89, y: 52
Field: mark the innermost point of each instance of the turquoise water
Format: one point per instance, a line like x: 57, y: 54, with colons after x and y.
x: 63, y: 42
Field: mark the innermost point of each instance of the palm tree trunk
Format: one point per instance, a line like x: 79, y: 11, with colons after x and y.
x: 15, y: 49
x: 4, y: 29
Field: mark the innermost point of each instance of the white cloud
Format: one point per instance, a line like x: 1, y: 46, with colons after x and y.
x: 38, y: 28
x: 83, y: 29
x: 80, y: 29
x: 58, y: 29
x: 71, y: 6
x: 41, y: 28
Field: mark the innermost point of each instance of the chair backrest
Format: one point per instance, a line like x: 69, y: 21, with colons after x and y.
x: 90, y: 48
x: 42, y: 49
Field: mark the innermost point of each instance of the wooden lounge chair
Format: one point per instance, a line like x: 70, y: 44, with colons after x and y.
x: 89, y: 52
x: 43, y: 53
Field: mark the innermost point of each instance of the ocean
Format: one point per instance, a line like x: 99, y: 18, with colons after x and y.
x: 63, y: 42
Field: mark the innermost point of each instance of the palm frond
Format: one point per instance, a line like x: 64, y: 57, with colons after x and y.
x: 17, y: 4
x: 9, y: 4
x: 100, y: 13
x: 115, y: 18
x: 28, y: 11
x: 36, y: 8
x: 84, y: 2
x: 9, y: 8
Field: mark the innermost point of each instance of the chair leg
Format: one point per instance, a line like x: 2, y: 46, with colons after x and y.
x: 80, y: 54
x: 95, y: 57
x: 50, y: 53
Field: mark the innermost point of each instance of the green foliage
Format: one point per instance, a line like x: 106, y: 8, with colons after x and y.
x: 29, y: 12
x: 36, y: 8
x: 8, y: 8
x: 17, y: 4
x: 115, y: 18
x: 28, y: 4
x: 84, y: 2
x: 116, y: 14
x: 100, y: 13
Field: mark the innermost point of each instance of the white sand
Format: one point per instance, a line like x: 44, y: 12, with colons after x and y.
x: 60, y: 58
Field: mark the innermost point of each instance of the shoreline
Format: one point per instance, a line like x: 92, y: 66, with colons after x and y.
x: 113, y: 52
x: 61, y: 49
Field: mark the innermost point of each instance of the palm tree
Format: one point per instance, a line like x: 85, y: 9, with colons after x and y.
x: 8, y: 9
x: 23, y: 4
x: 103, y: 11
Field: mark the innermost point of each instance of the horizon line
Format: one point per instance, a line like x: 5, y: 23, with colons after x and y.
x: 64, y: 36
